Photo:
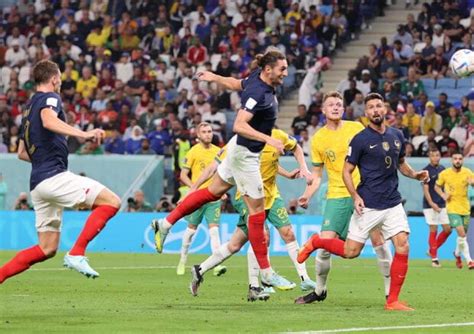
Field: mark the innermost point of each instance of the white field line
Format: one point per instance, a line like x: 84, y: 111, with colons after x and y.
x: 367, y: 329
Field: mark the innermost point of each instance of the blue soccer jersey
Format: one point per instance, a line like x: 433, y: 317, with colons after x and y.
x: 435, y: 197
x: 47, y: 150
x: 378, y: 156
x: 259, y: 99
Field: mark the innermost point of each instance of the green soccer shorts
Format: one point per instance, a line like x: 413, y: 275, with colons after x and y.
x: 211, y: 211
x: 337, y: 216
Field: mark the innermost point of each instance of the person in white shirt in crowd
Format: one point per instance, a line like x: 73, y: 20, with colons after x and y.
x: 344, y: 84
x: 364, y: 84
x: 438, y: 35
x: 217, y: 120
x: 124, y: 68
x: 403, y: 36
x: 461, y: 132
x: 273, y: 16
x: 358, y: 106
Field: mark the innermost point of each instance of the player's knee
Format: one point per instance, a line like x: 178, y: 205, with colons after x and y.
x: 49, y: 251
x: 351, y: 252
x: 286, y: 233
x: 233, y: 247
x: 403, y: 247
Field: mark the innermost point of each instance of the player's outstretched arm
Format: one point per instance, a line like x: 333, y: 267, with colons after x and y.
x: 289, y: 175
x: 317, y: 175
x: 440, y: 192
x: 300, y: 158
x: 50, y: 121
x: 243, y: 128
x: 426, y: 192
x: 22, y: 154
x: 184, y: 177
x: 228, y: 82
x: 406, y: 170
x: 349, y: 182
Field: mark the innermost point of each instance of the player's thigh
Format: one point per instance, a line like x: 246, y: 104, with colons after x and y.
x: 361, y: 225
x: 395, y: 221
x: 337, y: 216
x: 246, y: 172
x: 220, y: 184
x: 430, y: 217
x: 196, y: 217
x: 278, y: 217
x: 376, y: 237
x: 48, y: 216
x: 107, y: 197
x: 254, y: 205
x: 456, y: 220
x: 212, y: 213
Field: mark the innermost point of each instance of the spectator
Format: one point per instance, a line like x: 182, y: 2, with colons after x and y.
x: 87, y: 83
x: 305, y: 142
x: 428, y: 144
x: 399, y: 125
x: 344, y: 84
x: 293, y: 207
x: 403, y: 53
x: 443, y: 105
x: 272, y: 16
x: 197, y: 53
x: 145, y: 148
x: 90, y: 147
x: 3, y: 192
x: 438, y: 67
x: 409, y: 149
x: 351, y: 92
x: 218, y: 122
x: 428, y: 51
x: 446, y: 144
x: 431, y: 120
x: 301, y: 121
x: 114, y: 144
x: 403, y: 36
x: 124, y: 68
x: 133, y: 143
x: 460, y: 132
x: 313, y: 126
x: 412, y: 84
x: 389, y: 63
x: 159, y: 138
x: 453, y: 118
x: 438, y: 35
x: 21, y: 203
x: 364, y: 84
x: 412, y: 120
x: 138, y: 203
x: 358, y: 106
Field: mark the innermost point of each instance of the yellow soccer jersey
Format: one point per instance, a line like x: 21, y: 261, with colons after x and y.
x: 197, y: 159
x: 269, y: 166
x: 329, y: 147
x: 456, y: 184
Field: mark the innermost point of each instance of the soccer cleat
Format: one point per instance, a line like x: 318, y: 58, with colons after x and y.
x: 311, y: 298
x: 219, y: 270
x: 196, y: 280
x: 307, y: 249
x: 398, y: 306
x: 81, y: 264
x: 278, y: 282
x: 160, y: 235
x: 257, y: 293
x: 307, y: 285
x: 470, y: 265
x: 458, y: 260
x: 268, y: 288
x: 435, y: 263
x: 180, y: 270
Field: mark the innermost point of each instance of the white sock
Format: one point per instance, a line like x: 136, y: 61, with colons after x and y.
x: 166, y: 225
x: 253, y: 268
x: 292, y: 248
x: 457, y: 250
x: 216, y: 258
x: 323, y: 266
x: 384, y: 261
x: 215, y: 239
x: 464, y: 248
x: 187, y: 240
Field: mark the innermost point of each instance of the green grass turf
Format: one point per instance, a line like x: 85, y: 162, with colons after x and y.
x: 141, y: 292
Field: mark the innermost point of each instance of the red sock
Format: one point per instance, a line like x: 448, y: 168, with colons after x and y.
x: 442, y: 237
x: 432, y: 243
x: 398, y: 272
x: 22, y: 261
x: 257, y: 239
x: 333, y: 246
x: 190, y: 204
x: 94, y: 224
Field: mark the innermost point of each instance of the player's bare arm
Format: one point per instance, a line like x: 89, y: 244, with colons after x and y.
x: 243, y: 128
x: 304, y: 171
x: 50, y: 121
x: 406, y: 170
x: 206, y: 174
x: 22, y: 154
x: 444, y: 195
x: 184, y: 177
x: 317, y: 175
x: 426, y: 192
x: 294, y: 174
x: 347, y: 178
x: 227, y: 82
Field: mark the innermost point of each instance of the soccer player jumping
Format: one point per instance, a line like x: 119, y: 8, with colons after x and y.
x: 378, y: 152
x: 53, y: 187
x: 253, y: 125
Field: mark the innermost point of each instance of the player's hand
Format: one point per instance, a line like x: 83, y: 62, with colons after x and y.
x: 205, y: 76
x: 304, y: 173
x: 446, y: 196
x: 96, y: 134
x: 294, y: 174
x: 325, y: 63
x: 423, y: 176
x: 303, y: 201
x: 359, y: 204
x: 436, y: 207
x: 224, y: 197
x: 276, y: 144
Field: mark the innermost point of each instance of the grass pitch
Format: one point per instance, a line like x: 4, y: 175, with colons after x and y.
x: 141, y: 293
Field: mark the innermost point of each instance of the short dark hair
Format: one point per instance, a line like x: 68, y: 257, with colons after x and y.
x: 270, y: 58
x: 433, y: 150
x: 44, y: 70
x: 456, y: 152
x: 373, y: 96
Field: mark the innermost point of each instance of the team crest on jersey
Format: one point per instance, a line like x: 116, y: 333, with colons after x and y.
x: 386, y: 146
x: 397, y: 143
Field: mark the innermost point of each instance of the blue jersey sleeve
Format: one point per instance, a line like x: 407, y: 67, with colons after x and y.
x: 51, y: 101
x: 354, y: 153
x: 402, y: 145
x: 250, y: 99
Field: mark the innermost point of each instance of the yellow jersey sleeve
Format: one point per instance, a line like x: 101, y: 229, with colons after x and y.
x: 316, y: 154
x: 441, y: 178
x: 189, y: 159
x: 288, y: 142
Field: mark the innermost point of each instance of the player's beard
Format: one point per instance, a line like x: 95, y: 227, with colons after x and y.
x: 377, y: 121
x: 457, y: 166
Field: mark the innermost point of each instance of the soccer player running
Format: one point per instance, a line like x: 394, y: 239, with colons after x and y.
x: 434, y: 208
x: 329, y: 148
x: 53, y: 187
x: 253, y: 125
x: 455, y: 181
x: 196, y: 161
x: 378, y: 152
x: 275, y: 212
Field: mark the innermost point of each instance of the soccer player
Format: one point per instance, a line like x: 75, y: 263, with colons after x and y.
x: 329, y: 148
x: 197, y: 159
x: 275, y: 212
x: 378, y: 152
x: 434, y: 208
x: 455, y: 181
x: 253, y: 124
x: 53, y: 187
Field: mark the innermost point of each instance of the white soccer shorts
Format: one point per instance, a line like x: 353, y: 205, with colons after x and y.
x: 64, y: 190
x: 241, y: 167
x: 436, y: 218
x: 391, y: 221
